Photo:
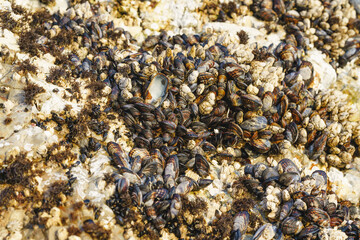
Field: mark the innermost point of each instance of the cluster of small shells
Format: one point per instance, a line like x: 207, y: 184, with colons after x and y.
x: 331, y: 26
x: 303, y: 205
x: 169, y: 138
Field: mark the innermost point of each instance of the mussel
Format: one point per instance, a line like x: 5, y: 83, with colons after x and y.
x: 291, y: 226
x: 157, y: 90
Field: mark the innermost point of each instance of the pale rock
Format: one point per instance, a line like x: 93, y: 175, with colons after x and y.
x: 332, y: 198
x: 345, y: 185
x: 332, y: 234
x: 54, y: 219
x: 7, y: 38
x: 327, y: 73
x: 74, y: 237
x: 3, y: 232
x: 16, y: 236
x: 62, y: 233
x: 15, y: 222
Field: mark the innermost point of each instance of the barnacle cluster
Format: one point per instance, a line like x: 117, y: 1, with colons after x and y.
x: 122, y: 122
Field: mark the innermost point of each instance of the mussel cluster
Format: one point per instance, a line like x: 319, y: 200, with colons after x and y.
x: 188, y: 100
x: 299, y: 206
x: 331, y: 26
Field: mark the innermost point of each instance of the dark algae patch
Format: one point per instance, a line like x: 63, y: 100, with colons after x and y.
x: 26, y: 67
x: 30, y: 91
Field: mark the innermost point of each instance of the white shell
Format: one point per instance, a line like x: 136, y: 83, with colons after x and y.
x: 157, y: 90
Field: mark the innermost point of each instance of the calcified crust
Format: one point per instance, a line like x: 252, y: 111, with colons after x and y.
x: 113, y: 132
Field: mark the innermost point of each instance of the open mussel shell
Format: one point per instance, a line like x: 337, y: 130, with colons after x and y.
x: 157, y: 90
